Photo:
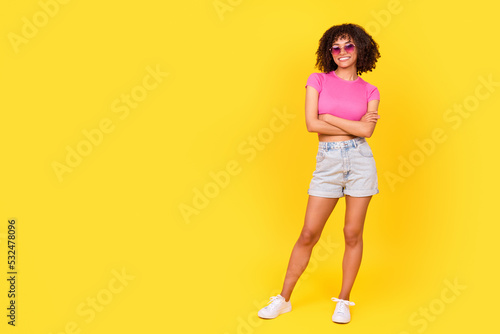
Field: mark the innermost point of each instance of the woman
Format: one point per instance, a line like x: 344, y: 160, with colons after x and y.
x: 343, y: 109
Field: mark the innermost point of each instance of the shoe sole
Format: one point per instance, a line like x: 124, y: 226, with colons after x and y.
x: 340, y: 322
x: 285, y: 310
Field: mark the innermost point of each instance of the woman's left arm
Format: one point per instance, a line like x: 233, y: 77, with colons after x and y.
x: 362, y: 128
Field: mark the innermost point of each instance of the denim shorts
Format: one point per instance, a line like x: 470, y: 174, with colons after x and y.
x: 344, y: 168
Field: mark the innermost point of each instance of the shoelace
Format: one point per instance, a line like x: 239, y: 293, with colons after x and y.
x: 343, y: 303
x: 271, y: 303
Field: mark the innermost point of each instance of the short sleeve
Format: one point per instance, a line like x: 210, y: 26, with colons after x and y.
x: 315, y: 81
x: 373, y: 93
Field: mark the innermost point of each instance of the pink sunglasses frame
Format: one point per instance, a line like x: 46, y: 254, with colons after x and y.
x: 347, y: 48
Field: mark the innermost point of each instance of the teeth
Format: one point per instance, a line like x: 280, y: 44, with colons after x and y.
x: 344, y: 58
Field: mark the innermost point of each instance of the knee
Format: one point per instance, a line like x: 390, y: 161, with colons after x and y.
x: 353, y: 236
x: 308, y: 238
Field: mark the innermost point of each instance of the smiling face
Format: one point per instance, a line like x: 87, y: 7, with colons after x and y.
x: 343, y: 52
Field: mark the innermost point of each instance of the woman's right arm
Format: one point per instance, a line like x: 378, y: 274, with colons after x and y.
x: 313, y: 123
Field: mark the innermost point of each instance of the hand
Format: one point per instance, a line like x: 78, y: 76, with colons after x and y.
x: 370, y: 116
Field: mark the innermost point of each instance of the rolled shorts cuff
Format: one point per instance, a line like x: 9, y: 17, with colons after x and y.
x: 361, y: 193
x: 317, y: 193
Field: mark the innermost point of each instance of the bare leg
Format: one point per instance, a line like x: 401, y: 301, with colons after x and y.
x: 356, y: 208
x: 317, y: 213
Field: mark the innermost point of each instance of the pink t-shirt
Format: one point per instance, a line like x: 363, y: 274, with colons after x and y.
x: 342, y: 98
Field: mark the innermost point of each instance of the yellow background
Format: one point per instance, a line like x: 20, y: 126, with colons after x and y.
x: 229, y: 72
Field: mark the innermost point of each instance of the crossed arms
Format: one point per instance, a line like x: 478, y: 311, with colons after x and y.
x: 332, y: 125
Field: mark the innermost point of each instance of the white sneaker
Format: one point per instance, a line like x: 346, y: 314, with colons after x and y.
x: 341, y: 314
x: 276, y: 306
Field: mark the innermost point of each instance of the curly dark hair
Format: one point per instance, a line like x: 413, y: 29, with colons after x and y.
x: 367, y: 48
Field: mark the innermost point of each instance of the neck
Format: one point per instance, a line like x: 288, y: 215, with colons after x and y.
x: 347, y: 73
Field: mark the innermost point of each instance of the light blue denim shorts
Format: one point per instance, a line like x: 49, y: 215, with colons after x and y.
x: 344, y: 168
